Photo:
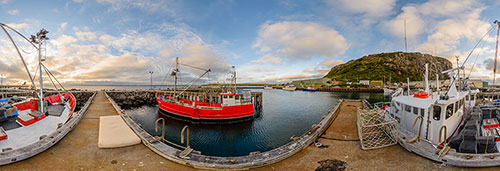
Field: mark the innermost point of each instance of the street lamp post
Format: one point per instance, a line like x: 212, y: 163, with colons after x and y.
x: 151, y: 73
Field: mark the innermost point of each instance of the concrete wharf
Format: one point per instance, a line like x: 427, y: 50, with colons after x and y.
x: 78, y: 150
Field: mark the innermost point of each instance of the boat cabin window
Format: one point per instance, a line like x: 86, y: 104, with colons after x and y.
x: 230, y: 97
x: 225, y: 97
x: 237, y: 97
x: 456, y: 107
x: 449, y: 111
x: 422, y: 112
x: 415, y: 110
x: 467, y: 97
x: 462, y: 102
x: 436, y: 113
x: 407, y: 108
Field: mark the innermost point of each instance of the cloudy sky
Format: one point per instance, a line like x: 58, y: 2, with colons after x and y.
x: 119, y: 41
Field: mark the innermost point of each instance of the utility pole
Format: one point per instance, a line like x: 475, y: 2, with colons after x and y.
x: 151, y: 73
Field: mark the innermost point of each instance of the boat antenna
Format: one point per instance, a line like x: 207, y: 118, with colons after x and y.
x: 406, y: 46
x: 174, y: 73
x: 234, y: 79
x: 40, y: 39
x: 496, y: 51
x: 17, y: 49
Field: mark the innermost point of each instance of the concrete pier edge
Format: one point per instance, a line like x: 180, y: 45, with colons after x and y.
x: 45, y: 143
x: 240, y: 162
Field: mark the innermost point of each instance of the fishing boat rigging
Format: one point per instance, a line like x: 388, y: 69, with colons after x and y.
x: 220, y: 106
x: 24, y: 121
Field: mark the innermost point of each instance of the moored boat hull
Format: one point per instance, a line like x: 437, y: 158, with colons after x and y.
x: 207, y: 112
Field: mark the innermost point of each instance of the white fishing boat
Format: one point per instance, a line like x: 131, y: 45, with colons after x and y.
x: 388, y: 90
x: 268, y: 87
x: 448, y: 126
x: 30, y: 125
x: 290, y: 88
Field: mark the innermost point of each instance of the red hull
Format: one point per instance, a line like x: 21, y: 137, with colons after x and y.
x: 207, y: 111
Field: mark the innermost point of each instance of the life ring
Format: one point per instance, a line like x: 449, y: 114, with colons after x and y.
x: 422, y: 95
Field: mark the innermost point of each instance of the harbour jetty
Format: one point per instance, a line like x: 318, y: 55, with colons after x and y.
x: 339, y: 148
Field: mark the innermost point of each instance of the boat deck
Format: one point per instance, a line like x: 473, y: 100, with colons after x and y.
x: 20, y: 136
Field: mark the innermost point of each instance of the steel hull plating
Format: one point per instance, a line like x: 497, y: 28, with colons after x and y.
x: 207, y: 112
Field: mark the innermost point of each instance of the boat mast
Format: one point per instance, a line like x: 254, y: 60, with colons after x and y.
x: 39, y: 39
x: 234, y: 79
x: 496, y: 51
x: 175, y: 76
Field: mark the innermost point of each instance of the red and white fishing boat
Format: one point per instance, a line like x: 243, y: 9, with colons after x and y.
x: 27, y: 125
x: 233, y: 104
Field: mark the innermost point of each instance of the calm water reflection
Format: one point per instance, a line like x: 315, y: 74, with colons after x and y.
x: 285, y: 114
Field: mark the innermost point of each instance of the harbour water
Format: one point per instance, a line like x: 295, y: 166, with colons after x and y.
x: 284, y: 114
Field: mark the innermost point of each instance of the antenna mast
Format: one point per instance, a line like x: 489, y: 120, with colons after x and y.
x: 234, y: 79
x: 496, y: 51
x: 406, y: 46
x: 175, y: 75
x: 39, y: 39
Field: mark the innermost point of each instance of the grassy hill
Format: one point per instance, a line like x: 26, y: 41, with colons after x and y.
x: 398, y: 65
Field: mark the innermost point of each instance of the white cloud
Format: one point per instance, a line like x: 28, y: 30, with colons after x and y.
x: 63, y: 25
x: 268, y: 59
x: 78, y: 1
x: 414, y: 23
x: 360, y: 12
x: 4, y: 1
x: 370, y: 8
x: 330, y: 63
x: 300, y: 40
x: 13, y: 12
x: 449, y: 33
x: 94, y: 57
x: 86, y: 36
x: 445, y: 22
x: 161, y: 6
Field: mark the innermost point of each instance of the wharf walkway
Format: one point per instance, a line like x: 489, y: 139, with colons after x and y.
x: 79, y: 151
x: 342, y: 141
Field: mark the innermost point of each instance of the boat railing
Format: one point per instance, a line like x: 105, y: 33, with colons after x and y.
x: 441, y: 133
x: 185, y: 129
x: 417, y: 138
x: 162, y: 128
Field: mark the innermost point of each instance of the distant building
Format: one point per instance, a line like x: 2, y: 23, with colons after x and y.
x: 317, y: 81
x: 364, y: 82
x: 334, y: 82
x: 477, y: 83
x: 377, y: 83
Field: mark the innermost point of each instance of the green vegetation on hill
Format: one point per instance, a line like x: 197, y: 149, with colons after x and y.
x: 397, y: 65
